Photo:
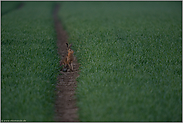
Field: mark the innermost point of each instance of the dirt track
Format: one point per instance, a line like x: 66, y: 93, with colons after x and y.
x: 65, y: 106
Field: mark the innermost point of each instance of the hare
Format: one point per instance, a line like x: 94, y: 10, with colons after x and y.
x: 68, y: 59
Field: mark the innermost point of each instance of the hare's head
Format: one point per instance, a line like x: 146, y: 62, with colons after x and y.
x: 70, y: 51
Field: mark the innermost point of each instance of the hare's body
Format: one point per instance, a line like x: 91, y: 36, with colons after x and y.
x: 68, y: 59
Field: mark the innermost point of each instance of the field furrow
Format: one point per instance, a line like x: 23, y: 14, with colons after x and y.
x: 65, y: 105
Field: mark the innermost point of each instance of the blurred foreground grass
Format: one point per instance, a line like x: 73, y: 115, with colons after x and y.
x: 28, y: 63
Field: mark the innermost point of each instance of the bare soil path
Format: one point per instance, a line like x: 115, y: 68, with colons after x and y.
x: 65, y: 105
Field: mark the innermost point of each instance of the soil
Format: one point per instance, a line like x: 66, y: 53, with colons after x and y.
x: 65, y: 105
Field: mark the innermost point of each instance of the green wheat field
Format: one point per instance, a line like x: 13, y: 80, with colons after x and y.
x: 130, y: 56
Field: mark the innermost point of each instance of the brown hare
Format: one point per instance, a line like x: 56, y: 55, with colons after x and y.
x: 68, y: 59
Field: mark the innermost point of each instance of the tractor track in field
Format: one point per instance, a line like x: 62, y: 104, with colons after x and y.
x: 65, y: 105
x: 18, y: 7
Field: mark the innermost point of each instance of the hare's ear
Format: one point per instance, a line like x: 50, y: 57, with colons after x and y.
x: 67, y: 44
x: 70, y: 46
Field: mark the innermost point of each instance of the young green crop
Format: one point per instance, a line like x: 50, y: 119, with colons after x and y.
x: 8, y: 6
x: 131, y: 59
x: 29, y: 63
